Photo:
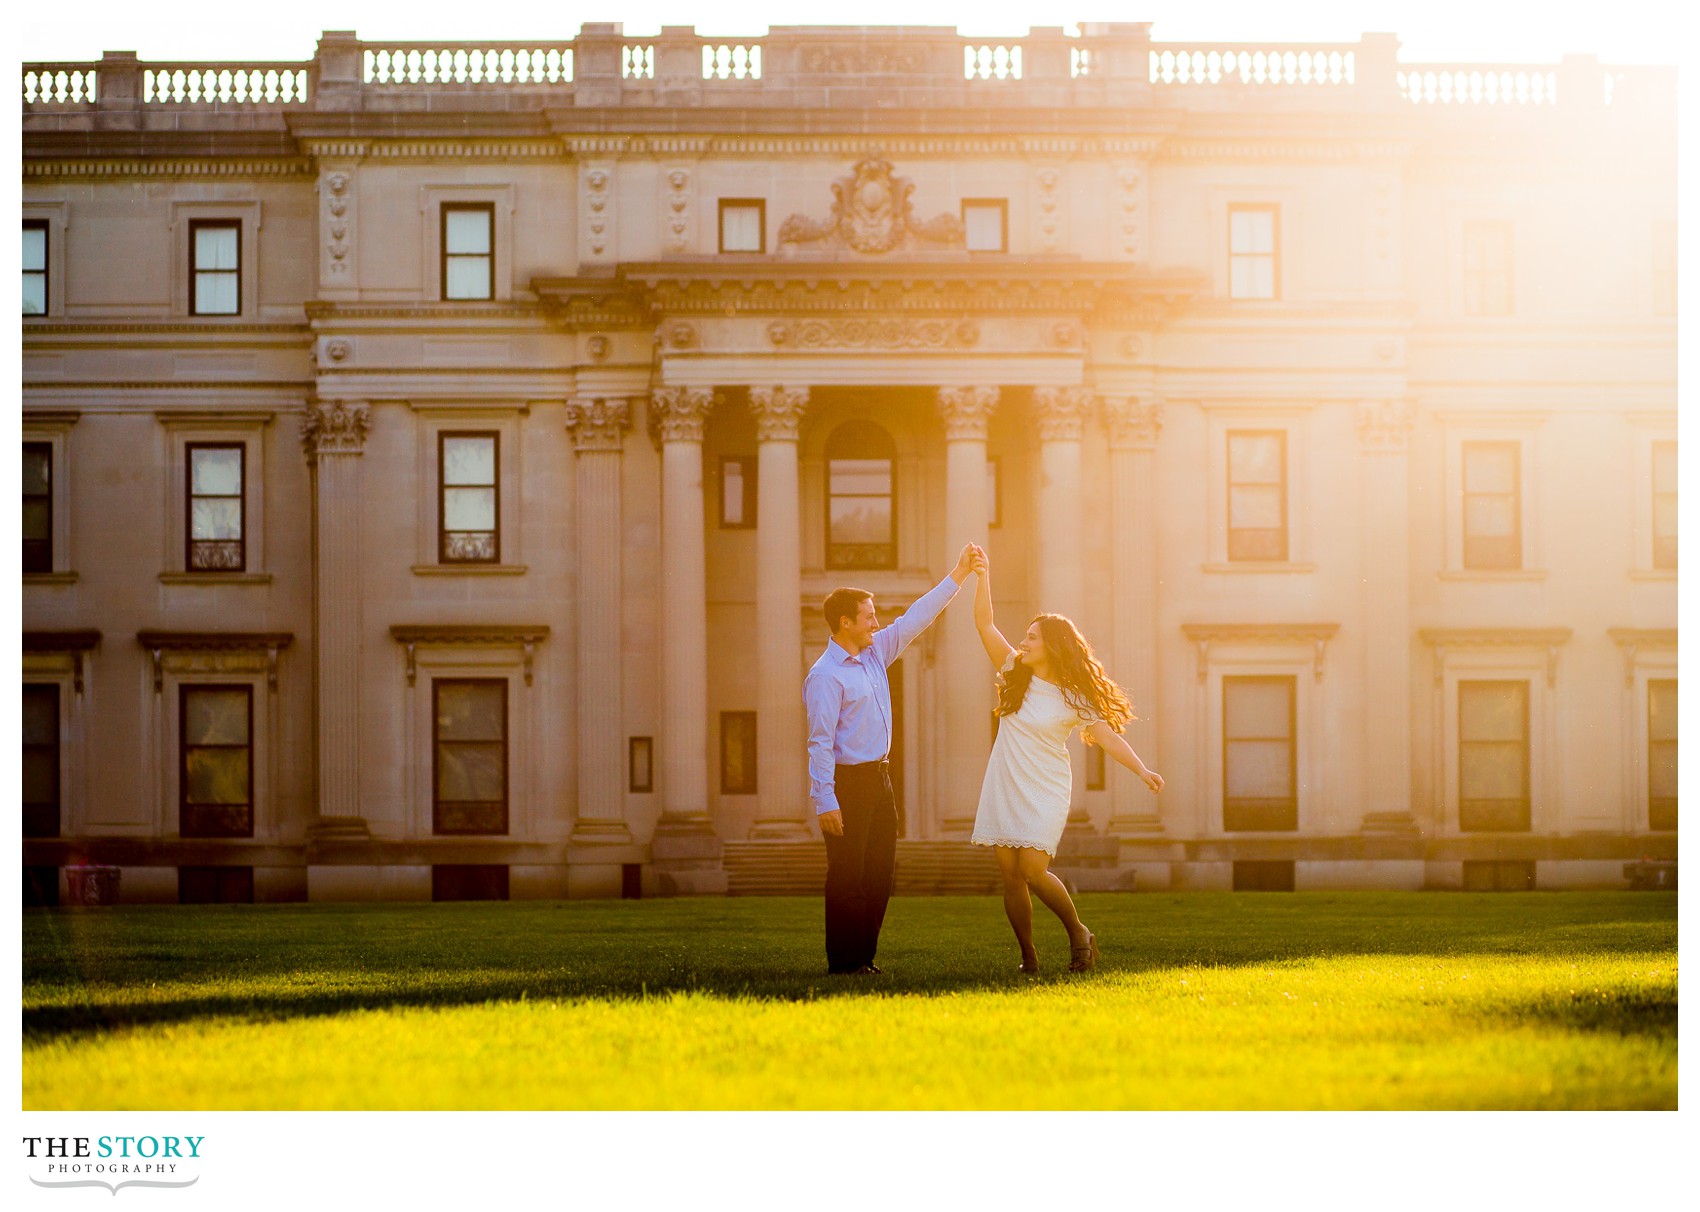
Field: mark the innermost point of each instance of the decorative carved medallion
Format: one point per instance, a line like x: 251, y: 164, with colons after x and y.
x: 680, y: 414
x: 597, y: 424
x: 1133, y: 423
x: 1128, y: 216
x: 1062, y: 412
x: 676, y: 215
x: 335, y: 428
x: 967, y: 411
x: 337, y: 222
x: 598, y: 215
x: 596, y: 347
x: 872, y: 213
x: 337, y: 349
x: 1385, y: 424
x: 1049, y: 210
x: 880, y: 333
x: 778, y: 411
x: 678, y: 335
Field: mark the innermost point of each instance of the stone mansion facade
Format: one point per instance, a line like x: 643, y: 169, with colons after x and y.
x: 434, y: 457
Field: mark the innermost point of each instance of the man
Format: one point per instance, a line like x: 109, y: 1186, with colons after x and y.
x: 848, y: 699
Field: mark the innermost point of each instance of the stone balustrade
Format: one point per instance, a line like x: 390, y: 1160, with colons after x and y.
x: 812, y: 66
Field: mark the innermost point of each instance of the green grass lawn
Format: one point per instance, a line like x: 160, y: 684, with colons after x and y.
x: 1348, y: 1000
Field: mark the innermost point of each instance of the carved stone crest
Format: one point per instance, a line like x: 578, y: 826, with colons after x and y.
x: 872, y: 213
x: 878, y: 333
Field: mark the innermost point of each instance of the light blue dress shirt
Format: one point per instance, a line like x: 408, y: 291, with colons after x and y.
x: 848, y: 698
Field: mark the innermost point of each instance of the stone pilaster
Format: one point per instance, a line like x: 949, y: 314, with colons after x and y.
x: 1384, y: 428
x: 1133, y: 425
x: 333, y: 437
x: 598, y: 427
x: 784, y: 810
x: 686, y: 851
x: 968, y: 681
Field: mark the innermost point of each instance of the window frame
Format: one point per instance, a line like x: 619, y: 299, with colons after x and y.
x: 189, y: 497
x: 51, y: 553
x: 184, y: 690
x: 1002, y: 207
x: 1516, y: 494
x: 437, y: 829
x: 751, y: 752
x: 1285, y: 490
x: 1656, y: 810
x: 1273, y: 210
x: 444, y: 208
x: 1526, y: 802
x: 760, y: 205
x: 58, y: 755
x: 46, y: 270
x: 1288, y: 804
x: 195, y: 226
x: 1470, y: 232
x: 443, y: 486
x: 747, y: 470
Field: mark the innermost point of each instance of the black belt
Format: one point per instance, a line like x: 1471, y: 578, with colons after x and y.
x: 866, y: 765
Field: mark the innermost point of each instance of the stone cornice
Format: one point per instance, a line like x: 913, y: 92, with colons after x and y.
x: 159, y: 643
x: 524, y: 636
x: 1205, y: 634
x: 1443, y: 638
x: 145, y: 165
x: 74, y: 640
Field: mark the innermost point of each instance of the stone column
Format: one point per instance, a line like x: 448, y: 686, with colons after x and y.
x: 333, y: 435
x: 964, y: 671
x: 598, y: 427
x: 685, y: 850
x: 782, y: 762
x: 1133, y: 426
x: 1061, y: 414
x: 1384, y: 427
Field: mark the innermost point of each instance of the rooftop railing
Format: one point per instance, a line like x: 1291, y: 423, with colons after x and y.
x: 1105, y: 64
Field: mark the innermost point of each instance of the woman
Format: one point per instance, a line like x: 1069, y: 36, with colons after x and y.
x: 1048, y: 687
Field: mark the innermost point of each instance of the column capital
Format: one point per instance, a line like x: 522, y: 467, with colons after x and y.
x: 1133, y: 422
x: 778, y: 411
x: 967, y: 411
x: 598, y: 424
x: 337, y: 427
x: 680, y: 414
x: 1062, y: 412
x: 1385, y: 424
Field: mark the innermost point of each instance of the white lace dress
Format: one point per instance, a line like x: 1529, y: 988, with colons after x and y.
x: 1025, y: 793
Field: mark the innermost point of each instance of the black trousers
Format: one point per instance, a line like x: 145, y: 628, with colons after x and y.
x: 860, y: 865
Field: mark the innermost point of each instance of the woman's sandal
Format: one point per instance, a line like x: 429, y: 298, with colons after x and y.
x: 1084, y: 958
x: 1033, y: 971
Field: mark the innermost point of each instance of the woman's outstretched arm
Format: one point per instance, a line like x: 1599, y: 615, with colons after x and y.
x: 997, y: 648
x: 1119, y: 749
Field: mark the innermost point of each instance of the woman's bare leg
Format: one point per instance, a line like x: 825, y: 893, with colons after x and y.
x: 1035, y: 866
x: 1017, y: 904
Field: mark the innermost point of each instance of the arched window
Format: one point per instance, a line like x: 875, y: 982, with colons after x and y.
x: 861, y: 514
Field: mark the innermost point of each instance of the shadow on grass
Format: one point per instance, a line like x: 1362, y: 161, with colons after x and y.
x: 88, y: 972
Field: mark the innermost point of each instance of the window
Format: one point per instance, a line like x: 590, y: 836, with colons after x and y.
x: 38, y: 506
x: 743, y: 225
x: 737, y: 753
x: 1257, y: 494
x: 1499, y: 876
x: 215, y: 267
x: 215, y: 885
x: 1253, y: 257
x: 994, y: 493
x: 1664, y: 504
x: 1493, y: 755
x: 861, y: 521
x: 216, y: 771
x: 737, y: 493
x: 469, y: 529
x: 1487, y: 268
x: 468, y: 243
x: 640, y: 765
x: 216, y: 507
x: 35, y: 267
x: 1263, y: 875
x: 40, y: 775
x: 1260, y: 753
x: 985, y: 224
x: 1493, y: 511
x: 1661, y: 753
x: 469, y: 882
x: 469, y: 742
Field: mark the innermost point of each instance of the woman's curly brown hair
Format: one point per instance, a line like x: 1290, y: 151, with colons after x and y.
x: 1079, y: 675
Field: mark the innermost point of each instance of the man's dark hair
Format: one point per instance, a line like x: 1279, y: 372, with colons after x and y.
x: 843, y: 604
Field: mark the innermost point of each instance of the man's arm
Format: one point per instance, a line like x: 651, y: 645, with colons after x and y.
x: 889, y: 642
x: 822, y: 697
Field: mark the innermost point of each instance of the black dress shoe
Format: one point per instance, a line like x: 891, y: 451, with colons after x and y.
x: 873, y: 968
